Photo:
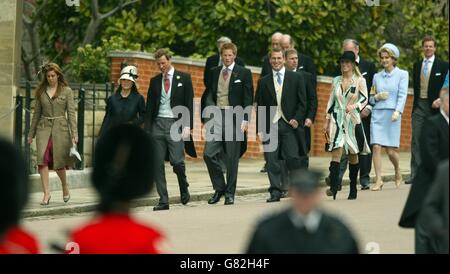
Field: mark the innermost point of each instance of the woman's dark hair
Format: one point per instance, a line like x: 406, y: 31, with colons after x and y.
x: 123, y: 165
x: 13, y: 185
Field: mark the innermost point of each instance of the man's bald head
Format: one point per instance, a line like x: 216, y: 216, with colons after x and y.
x: 287, y: 42
x: 276, y: 40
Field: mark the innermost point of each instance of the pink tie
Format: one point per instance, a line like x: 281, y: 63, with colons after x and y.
x: 225, y: 74
x: 166, y: 83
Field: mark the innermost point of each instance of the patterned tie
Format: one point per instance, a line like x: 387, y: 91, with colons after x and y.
x: 225, y: 74
x: 425, y: 67
x: 166, y: 83
x: 279, y: 78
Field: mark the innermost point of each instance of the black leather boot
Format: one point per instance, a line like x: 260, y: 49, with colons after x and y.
x: 353, y: 169
x: 334, y: 179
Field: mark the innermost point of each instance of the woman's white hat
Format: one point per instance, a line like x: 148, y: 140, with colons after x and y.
x: 129, y: 73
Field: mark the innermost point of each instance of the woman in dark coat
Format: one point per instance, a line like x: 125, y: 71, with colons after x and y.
x: 126, y: 105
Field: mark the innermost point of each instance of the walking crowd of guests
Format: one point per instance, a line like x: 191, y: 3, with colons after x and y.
x: 363, y: 115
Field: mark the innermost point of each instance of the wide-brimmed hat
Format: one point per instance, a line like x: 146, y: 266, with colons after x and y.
x: 129, y: 73
x: 347, y: 55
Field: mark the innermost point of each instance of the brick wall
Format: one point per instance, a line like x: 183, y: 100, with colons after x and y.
x: 147, y: 69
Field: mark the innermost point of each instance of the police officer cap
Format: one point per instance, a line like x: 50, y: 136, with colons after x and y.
x: 303, y: 180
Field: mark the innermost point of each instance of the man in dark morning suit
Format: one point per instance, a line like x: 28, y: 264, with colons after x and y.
x: 168, y: 90
x: 212, y: 62
x: 291, y: 56
x: 303, y: 228
x: 428, y: 78
x: 434, y: 214
x: 434, y: 149
x: 281, y: 100
x: 231, y: 88
x: 367, y: 70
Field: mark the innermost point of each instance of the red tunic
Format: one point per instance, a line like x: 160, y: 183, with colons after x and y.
x: 18, y: 241
x: 115, y: 234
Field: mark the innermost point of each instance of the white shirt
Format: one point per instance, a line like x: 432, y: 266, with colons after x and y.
x: 230, y: 68
x: 445, y: 115
x: 310, y: 222
x: 357, y: 59
x: 429, y: 64
x: 275, y: 77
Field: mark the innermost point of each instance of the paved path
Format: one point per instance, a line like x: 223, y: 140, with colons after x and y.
x: 250, y: 181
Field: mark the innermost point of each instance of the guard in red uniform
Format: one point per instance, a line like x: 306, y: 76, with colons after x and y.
x: 122, y: 172
x: 13, y: 197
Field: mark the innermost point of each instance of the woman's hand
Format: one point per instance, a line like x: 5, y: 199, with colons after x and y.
x: 30, y: 140
x: 350, y: 108
x: 75, y: 140
x: 381, y: 96
x: 326, y: 126
x: 395, y: 116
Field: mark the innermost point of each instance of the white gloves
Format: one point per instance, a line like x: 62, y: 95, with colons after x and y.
x: 381, y: 96
x: 395, y: 116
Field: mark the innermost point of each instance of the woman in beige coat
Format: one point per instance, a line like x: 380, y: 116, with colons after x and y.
x: 54, y: 130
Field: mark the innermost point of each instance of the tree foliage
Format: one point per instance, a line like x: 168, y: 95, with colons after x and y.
x: 191, y: 27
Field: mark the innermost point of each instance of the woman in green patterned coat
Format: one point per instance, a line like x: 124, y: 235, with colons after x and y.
x: 54, y: 131
x: 343, y: 123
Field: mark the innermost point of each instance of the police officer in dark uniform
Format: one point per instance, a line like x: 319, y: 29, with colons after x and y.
x: 303, y: 227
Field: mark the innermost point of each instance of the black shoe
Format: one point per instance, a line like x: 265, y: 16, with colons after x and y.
x: 273, y: 198
x: 339, y: 187
x: 185, y: 197
x: 284, y: 194
x: 161, y: 207
x: 365, y: 187
x: 408, y: 182
x: 327, y: 181
x: 329, y: 192
x: 229, y: 200
x: 264, y: 169
x: 215, y: 198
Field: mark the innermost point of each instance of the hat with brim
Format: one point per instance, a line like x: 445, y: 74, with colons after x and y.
x: 347, y: 56
x: 129, y: 73
x: 304, y: 180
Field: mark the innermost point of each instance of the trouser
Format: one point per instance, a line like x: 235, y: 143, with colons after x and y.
x: 420, y: 113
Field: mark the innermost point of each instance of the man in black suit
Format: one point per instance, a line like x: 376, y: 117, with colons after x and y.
x: 367, y: 70
x: 428, y: 78
x: 434, y: 149
x: 212, y: 62
x: 229, y: 98
x: 281, y: 100
x: 167, y: 92
x: 303, y: 228
x: 434, y: 214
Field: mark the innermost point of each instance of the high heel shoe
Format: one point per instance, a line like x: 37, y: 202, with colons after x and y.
x: 378, y: 186
x: 44, y: 203
x: 398, y: 179
x: 66, y: 198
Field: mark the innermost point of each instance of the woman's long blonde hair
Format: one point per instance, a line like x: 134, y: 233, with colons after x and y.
x: 44, y: 83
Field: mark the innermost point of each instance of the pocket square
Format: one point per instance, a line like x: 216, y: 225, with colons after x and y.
x: 301, y: 67
x: 364, y: 73
x: 237, y: 81
x: 438, y: 74
x: 180, y: 85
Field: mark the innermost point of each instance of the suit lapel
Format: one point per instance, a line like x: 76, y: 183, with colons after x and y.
x: 433, y: 69
x: 216, y: 79
x: 271, y: 87
x: 158, y: 90
x: 232, y: 78
x: 175, y: 82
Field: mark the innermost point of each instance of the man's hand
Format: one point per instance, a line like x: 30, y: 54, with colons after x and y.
x: 308, y: 122
x: 244, y: 126
x: 436, y: 103
x: 30, y: 140
x: 326, y: 126
x: 365, y: 112
x: 75, y: 140
x: 186, y: 133
x: 293, y: 123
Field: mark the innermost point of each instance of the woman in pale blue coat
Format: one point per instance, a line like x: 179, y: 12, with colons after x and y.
x: 389, y: 89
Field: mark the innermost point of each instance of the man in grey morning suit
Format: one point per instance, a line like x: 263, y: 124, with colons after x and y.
x: 231, y: 86
x: 168, y: 90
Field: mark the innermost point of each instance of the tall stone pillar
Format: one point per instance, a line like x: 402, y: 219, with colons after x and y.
x: 10, y: 50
